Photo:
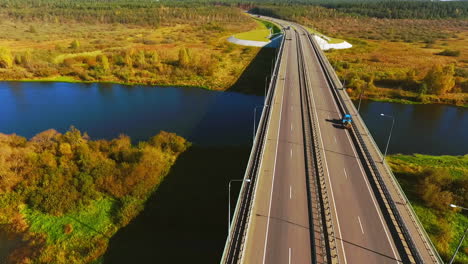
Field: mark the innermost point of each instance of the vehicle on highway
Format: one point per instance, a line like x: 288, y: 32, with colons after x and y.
x: 346, y: 121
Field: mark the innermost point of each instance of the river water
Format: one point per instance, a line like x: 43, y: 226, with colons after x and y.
x: 427, y: 129
x: 185, y: 221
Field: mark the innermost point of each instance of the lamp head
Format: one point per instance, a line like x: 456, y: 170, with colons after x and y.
x: 453, y: 206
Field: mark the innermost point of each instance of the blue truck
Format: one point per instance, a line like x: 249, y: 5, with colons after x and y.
x: 346, y: 121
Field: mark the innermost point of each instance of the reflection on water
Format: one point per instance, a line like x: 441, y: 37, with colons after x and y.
x: 428, y: 129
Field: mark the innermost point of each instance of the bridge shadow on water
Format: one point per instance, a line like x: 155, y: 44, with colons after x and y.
x: 252, y: 80
x: 185, y: 221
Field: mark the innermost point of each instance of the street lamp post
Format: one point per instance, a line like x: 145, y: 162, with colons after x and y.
x: 457, y: 206
x: 360, y: 98
x: 254, y: 119
x: 389, y: 136
x: 463, y: 237
x: 229, y: 202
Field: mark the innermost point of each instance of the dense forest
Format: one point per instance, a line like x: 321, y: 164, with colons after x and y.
x: 377, y: 9
x: 62, y: 196
x: 125, y: 12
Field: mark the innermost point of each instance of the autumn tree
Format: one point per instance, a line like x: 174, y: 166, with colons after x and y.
x: 440, y: 80
x: 32, y: 29
x: 104, y: 62
x: 128, y: 60
x: 6, y: 59
x: 184, y: 59
x: 75, y: 44
x: 140, y: 59
x: 153, y: 58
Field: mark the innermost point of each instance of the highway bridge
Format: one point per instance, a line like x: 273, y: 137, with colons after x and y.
x: 314, y: 192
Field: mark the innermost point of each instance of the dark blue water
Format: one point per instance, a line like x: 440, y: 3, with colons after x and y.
x: 428, y: 129
x: 107, y: 110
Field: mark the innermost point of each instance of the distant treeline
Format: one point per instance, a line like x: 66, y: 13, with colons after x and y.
x: 202, y: 11
x: 403, y: 9
x: 378, y: 9
x: 125, y: 12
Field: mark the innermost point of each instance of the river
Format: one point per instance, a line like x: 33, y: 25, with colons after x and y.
x: 185, y: 221
x: 433, y: 129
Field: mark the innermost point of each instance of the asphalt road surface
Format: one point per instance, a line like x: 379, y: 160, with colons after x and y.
x: 279, y: 231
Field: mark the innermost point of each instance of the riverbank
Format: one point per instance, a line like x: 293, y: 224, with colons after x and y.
x: 68, y: 79
x: 431, y: 183
x: 407, y: 97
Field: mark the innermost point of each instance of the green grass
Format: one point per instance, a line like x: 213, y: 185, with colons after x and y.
x: 275, y: 28
x: 458, y: 165
x: 261, y: 33
x: 96, y: 219
x: 255, y: 35
x: 52, y: 79
x: 394, y: 100
x: 330, y: 41
x: 444, y: 225
x: 60, y: 58
x: 335, y: 41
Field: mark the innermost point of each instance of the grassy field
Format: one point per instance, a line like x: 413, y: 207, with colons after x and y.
x: 140, y: 54
x: 330, y: 40
x: 261, y: 33
x: 431, y: 184
x: 393, y: 65
x: 391, y: 59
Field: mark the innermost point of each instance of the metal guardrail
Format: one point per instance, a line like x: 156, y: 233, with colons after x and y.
x: 422, y: 232
x: 241, y: 218
x: 414, y: 251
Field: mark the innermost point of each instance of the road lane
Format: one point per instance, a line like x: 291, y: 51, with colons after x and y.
x: 286, y: 229
x: 289, y: 226
x: 353, y: 197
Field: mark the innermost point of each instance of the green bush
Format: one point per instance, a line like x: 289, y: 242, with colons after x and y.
x: 451, y: 53
x: 6, y: 59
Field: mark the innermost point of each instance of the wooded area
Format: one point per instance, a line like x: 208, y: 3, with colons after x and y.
x: 422, y: 59
x: 123, y: 41
x: 63, y: 195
